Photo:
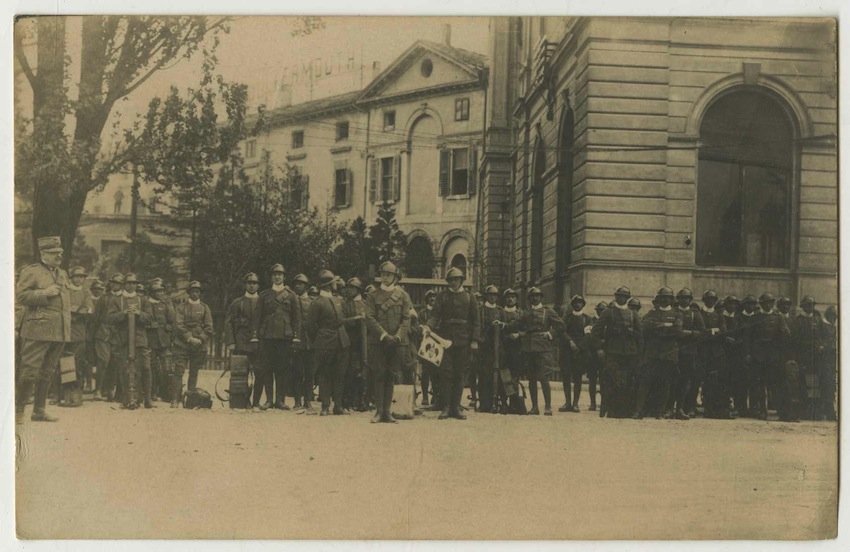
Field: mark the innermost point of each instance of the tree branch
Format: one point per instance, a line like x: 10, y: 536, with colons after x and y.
x: 22, y: 60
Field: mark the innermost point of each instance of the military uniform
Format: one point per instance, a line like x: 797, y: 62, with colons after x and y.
x: 240, y: 325
x: 279, y: 326
x: 512, y: 346
x: 488, y: 314
x: 734, y: 356
x: 354, y: 311
x: 455, y: 317
x: 96, y: 292
x: 325, y: 327
x: 690, y: 369
x: 302, y: 356
x: 193, y: 321
x: 827, y: 365
x: 160, y: 341
x: 128, y: 372
x: 107, y: 366
x: 388, y: 324
x: 575, y: 353
x: 662, y: 328
x: 717, y: 377
x: 82, y: 308
x: 770, y: 334
x: 45, y: 329
x: 808, y: 332
x: 430, y: 373
x: 619, y: 331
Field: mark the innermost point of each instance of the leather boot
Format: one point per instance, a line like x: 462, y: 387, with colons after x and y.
x: 176, y: 390
x: 388, y: 403
x: 457, y: 393
x: 38, y: 413
x: 23, y: 394
x: 377, y: 388
x: 146, y: 389
x: 446, y: 396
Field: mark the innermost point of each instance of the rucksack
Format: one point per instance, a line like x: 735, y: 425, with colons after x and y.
x: 197, y: 398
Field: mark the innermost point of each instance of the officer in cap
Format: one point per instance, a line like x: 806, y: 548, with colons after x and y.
x: 456, y: 318
x: 325, y: 329
x: 619, y: 336
x: 279, y: 326
x: 354, y: 313
x: 42, y: 289
x: 82, y: 309
x: 388, y: 311
x: 303, y: 371
x: 194, y: 327
x: 682, y: 403
x: 160, y: 340
x: 490, y: 316
x: 575, y: 352
x: 240, y: 322
x: 717, y: 390
x: 430, y: 373
x: 662, y: 328
x: 770, y: 333
x: 808, y: 332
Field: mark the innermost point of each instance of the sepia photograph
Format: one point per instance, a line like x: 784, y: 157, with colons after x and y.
x: 481, y: 277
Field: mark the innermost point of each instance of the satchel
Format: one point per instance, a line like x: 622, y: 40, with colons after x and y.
x: 197, y: 398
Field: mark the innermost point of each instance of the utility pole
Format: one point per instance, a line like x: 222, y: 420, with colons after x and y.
x: 134, y: 213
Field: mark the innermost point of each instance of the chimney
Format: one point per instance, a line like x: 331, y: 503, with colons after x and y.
x: 447, y: 34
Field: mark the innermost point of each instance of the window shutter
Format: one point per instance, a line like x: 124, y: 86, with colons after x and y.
x: 373, y: 179
x: 473, y: 170
x: 349, y: 183
x: 305, y: 191
x: 397, y: 178
x: 444, y: 172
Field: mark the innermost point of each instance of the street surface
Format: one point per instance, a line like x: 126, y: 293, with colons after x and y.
x: 102, y: 472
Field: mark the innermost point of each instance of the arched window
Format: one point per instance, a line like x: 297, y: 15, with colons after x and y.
x: 746, y: 159
x: 565, y: 204
x: 455, y: 253
x: 538, y: 168
x: 419, y: 258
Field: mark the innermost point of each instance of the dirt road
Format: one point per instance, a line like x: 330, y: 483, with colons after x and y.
x: 170, y: 473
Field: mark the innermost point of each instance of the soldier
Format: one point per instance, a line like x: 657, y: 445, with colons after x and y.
x: 769, y: 334
x: 619, y: 339
x: 82, y: 308
x: 538, y: 326
x: 455, y: 318
x: 107, y: 369
x: 325, y: 329
x: 279, y: 324
x: 808, y: 331
x: 784, y: 306
x: 430, y: 373
x: 662, y: 328
x: 747, y: 321
x: 240, y: 325
x: 511, y: 342
x: 194, y: 327
x: 634, y: 304
x: 304, y: 372
x: 42, y: 289
x: 828, y: 362
x: 388, y: 321
x: 682, y: 403
x: 575, y: 350
x: 160, y: 339
x: 139, y: 370
x: 313, y: 293
x: 96, y: 291
x: 354, y: 311
x: 596, y: 364
x: 733, y: 343
x: 717, y: 387
x: 489, y: 315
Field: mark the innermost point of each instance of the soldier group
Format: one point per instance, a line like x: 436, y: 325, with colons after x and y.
x: 357, y: 342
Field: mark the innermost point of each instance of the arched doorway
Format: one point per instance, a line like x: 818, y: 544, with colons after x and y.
x: 456, y: 254
x: 424, y: 172
x: 538, y: 168
x: 419, y: 258
x: 744, y: 182
x: 563, y: 257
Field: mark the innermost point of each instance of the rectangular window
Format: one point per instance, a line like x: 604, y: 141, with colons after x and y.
x: 389, y: 120
x: 460, y: 171
x: 342, y: 186
x: 342, y: 131
x: 250, y: 149
x: 457, y: 172
x: 297, y: 139
x: 299, y: 192
x: 462, y: 109
x: 387, y: 171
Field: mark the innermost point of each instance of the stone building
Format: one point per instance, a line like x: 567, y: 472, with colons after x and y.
x: 696, y: 152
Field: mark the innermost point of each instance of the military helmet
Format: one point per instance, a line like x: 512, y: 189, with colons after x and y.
x: 117, y: 278
x: 577, y: 299
x: 749, y: 300
x: 430, y: 293
x: 509, y: 291
x: 389, y: 267
x: 785, y: 301
x: 278, y: 268
x: 601, y: 306
x: 355, y: 282
x: 326, y: 278
x: 731, y: 299
x: 77, y: 271
x: 685, y: 292
x: 665, y: 292
x: 251, y: 278
x: 301, y: 278
x: 766, y: 297
x: 130, y: 278
x: 140, y: 288
x: 624, y: 291
x: 807, y: 299
x: 454, y: 272
x: 97, y: 284
x: 369, y: 289
x: 194, y: 284
x: 156, y: 280
x: 491, y: 289
x: 709, y: 294
x: 534, y: 290
x: 156, y: 286
x: 634, y: 303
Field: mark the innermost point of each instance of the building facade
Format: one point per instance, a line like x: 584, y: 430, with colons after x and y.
x: 681, y: 152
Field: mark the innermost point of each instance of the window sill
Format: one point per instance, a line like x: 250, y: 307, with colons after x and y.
x: 389, y: 127
x: 296, y: 156
x: 457, y: 197
x: 340, y: 149
x: 743, y: 269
